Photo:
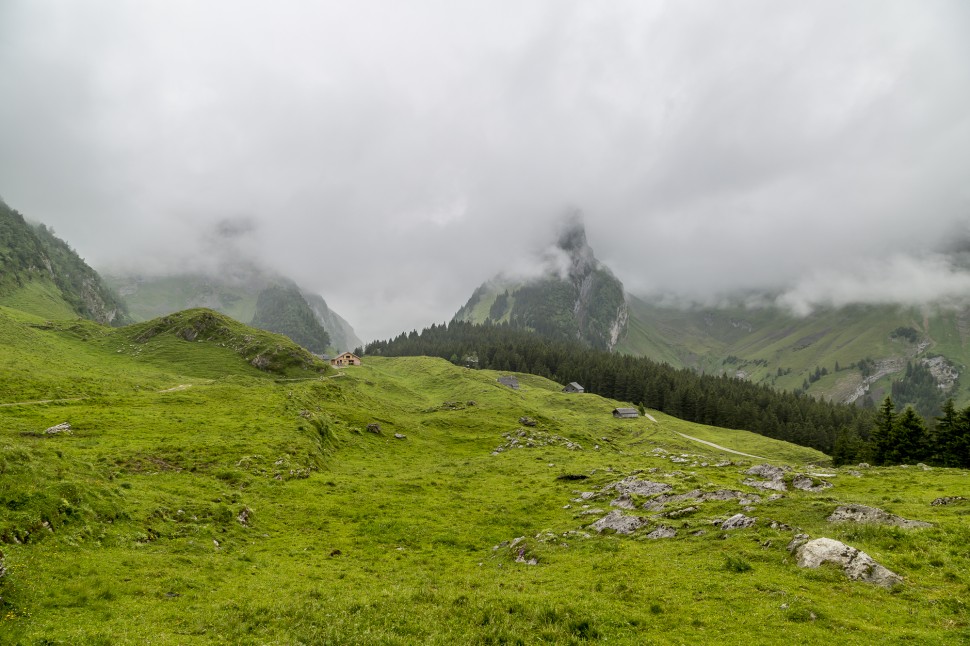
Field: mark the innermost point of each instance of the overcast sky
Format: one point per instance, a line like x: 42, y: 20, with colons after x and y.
x: 394, y: 155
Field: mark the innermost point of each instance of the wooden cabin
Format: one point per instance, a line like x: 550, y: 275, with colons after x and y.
x: 345, y: 359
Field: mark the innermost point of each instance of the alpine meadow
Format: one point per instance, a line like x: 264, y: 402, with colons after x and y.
x: 190, y: 479
x: 484, y: 323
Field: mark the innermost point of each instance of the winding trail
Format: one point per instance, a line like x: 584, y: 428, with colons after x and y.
x: 719, y: 447
x: 45, y: 401
x: 711, y: 444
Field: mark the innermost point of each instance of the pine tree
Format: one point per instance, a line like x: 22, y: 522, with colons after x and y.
x: 909, y: 438
x: 882, y: 433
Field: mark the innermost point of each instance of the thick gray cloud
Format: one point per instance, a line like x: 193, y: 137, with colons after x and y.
x: 394, y: 155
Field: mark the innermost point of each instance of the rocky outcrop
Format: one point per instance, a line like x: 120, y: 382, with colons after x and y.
x: 637, y: 487
x: 808, y: 483
x: 865, y: 514
x: 774, y: 477
x: 62, y: 428
x: 738, y: 521
x: 856, y: 564
x: 619, y: 522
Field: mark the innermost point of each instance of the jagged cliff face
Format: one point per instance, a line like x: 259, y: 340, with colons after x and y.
x: 342, y: 335
x: 578, y: 297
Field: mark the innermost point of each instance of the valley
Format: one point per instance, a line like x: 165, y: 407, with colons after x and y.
x: 197, y: 498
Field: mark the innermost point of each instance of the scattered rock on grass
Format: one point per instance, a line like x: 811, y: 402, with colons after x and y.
x: 865, y: 514
x: 619, y: 523
x: 400, y: 436
x: 632, y: 485
x: 244, y: 516
x: 662, y: 532
x: 947, y: 500
x: 856, y: 564
x: 374, y: 428
x: 738, y: 521
x: 63, y: 427
x: 807, y: 483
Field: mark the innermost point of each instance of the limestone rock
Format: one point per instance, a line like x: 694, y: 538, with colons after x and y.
x: 623, y: 501
x: 865, y: 514
x: 662, y: 532
x: 774, y: 485
x: 774, y: 477
x: 63, y: 427
x: 738, y: 521
x: 632, y: 485
x: 806, y: 483
x: 244, y: 516
x: 766, y: 471
x: 856, y: 564
x: 400, y: 436
x: 619, y: 522
x: 947, y: 500
x: 797, y: 541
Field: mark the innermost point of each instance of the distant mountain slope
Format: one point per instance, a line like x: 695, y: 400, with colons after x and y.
x: 857, y: 353
x: 342, y: 335
x: 284, y: 311
x: 577, y: 297
x: 41, y: 274
x: 233, y: 292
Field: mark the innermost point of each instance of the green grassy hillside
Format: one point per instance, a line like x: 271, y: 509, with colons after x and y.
x: 199, y: 500
x: 770, y: 345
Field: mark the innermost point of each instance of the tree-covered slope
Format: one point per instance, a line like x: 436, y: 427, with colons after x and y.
x: 852, y: 353
x: 284, y: 311
x: 40, y: 273
x: 233, y: 291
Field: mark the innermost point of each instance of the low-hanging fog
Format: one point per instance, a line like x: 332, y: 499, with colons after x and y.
x: 393, y: 155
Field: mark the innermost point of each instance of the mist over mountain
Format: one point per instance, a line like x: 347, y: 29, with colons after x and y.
x: 235, y: 289
x: 575, y: 296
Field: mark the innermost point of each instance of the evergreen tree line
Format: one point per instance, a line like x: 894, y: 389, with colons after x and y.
x: 717, y: 400
x: 906, y: 438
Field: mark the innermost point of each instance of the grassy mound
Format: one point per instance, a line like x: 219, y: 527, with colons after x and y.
x: 264, y: 351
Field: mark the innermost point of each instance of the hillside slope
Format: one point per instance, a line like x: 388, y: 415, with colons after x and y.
x: 41, y: 274
x: 845, y: 354
x: 234, y: 292
x: 413, y: 501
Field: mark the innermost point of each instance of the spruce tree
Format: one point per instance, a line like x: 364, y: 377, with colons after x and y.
x: 882, y: 433
x: 909, y: 435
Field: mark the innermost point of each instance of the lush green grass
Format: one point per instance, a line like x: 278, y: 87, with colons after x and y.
x: 39, y: 297
x: 357, y: 537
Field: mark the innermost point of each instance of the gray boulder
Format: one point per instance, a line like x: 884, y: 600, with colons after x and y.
x: 807, y: 483
x: 738, y: 521
x: 662, y: 532
x: 856, y: 564
x: 632, y: 485
x: 63, y: 427
x: 619, y: 522
x: 766, y: 471
x: 774, y: 485
x: 866, y: 514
